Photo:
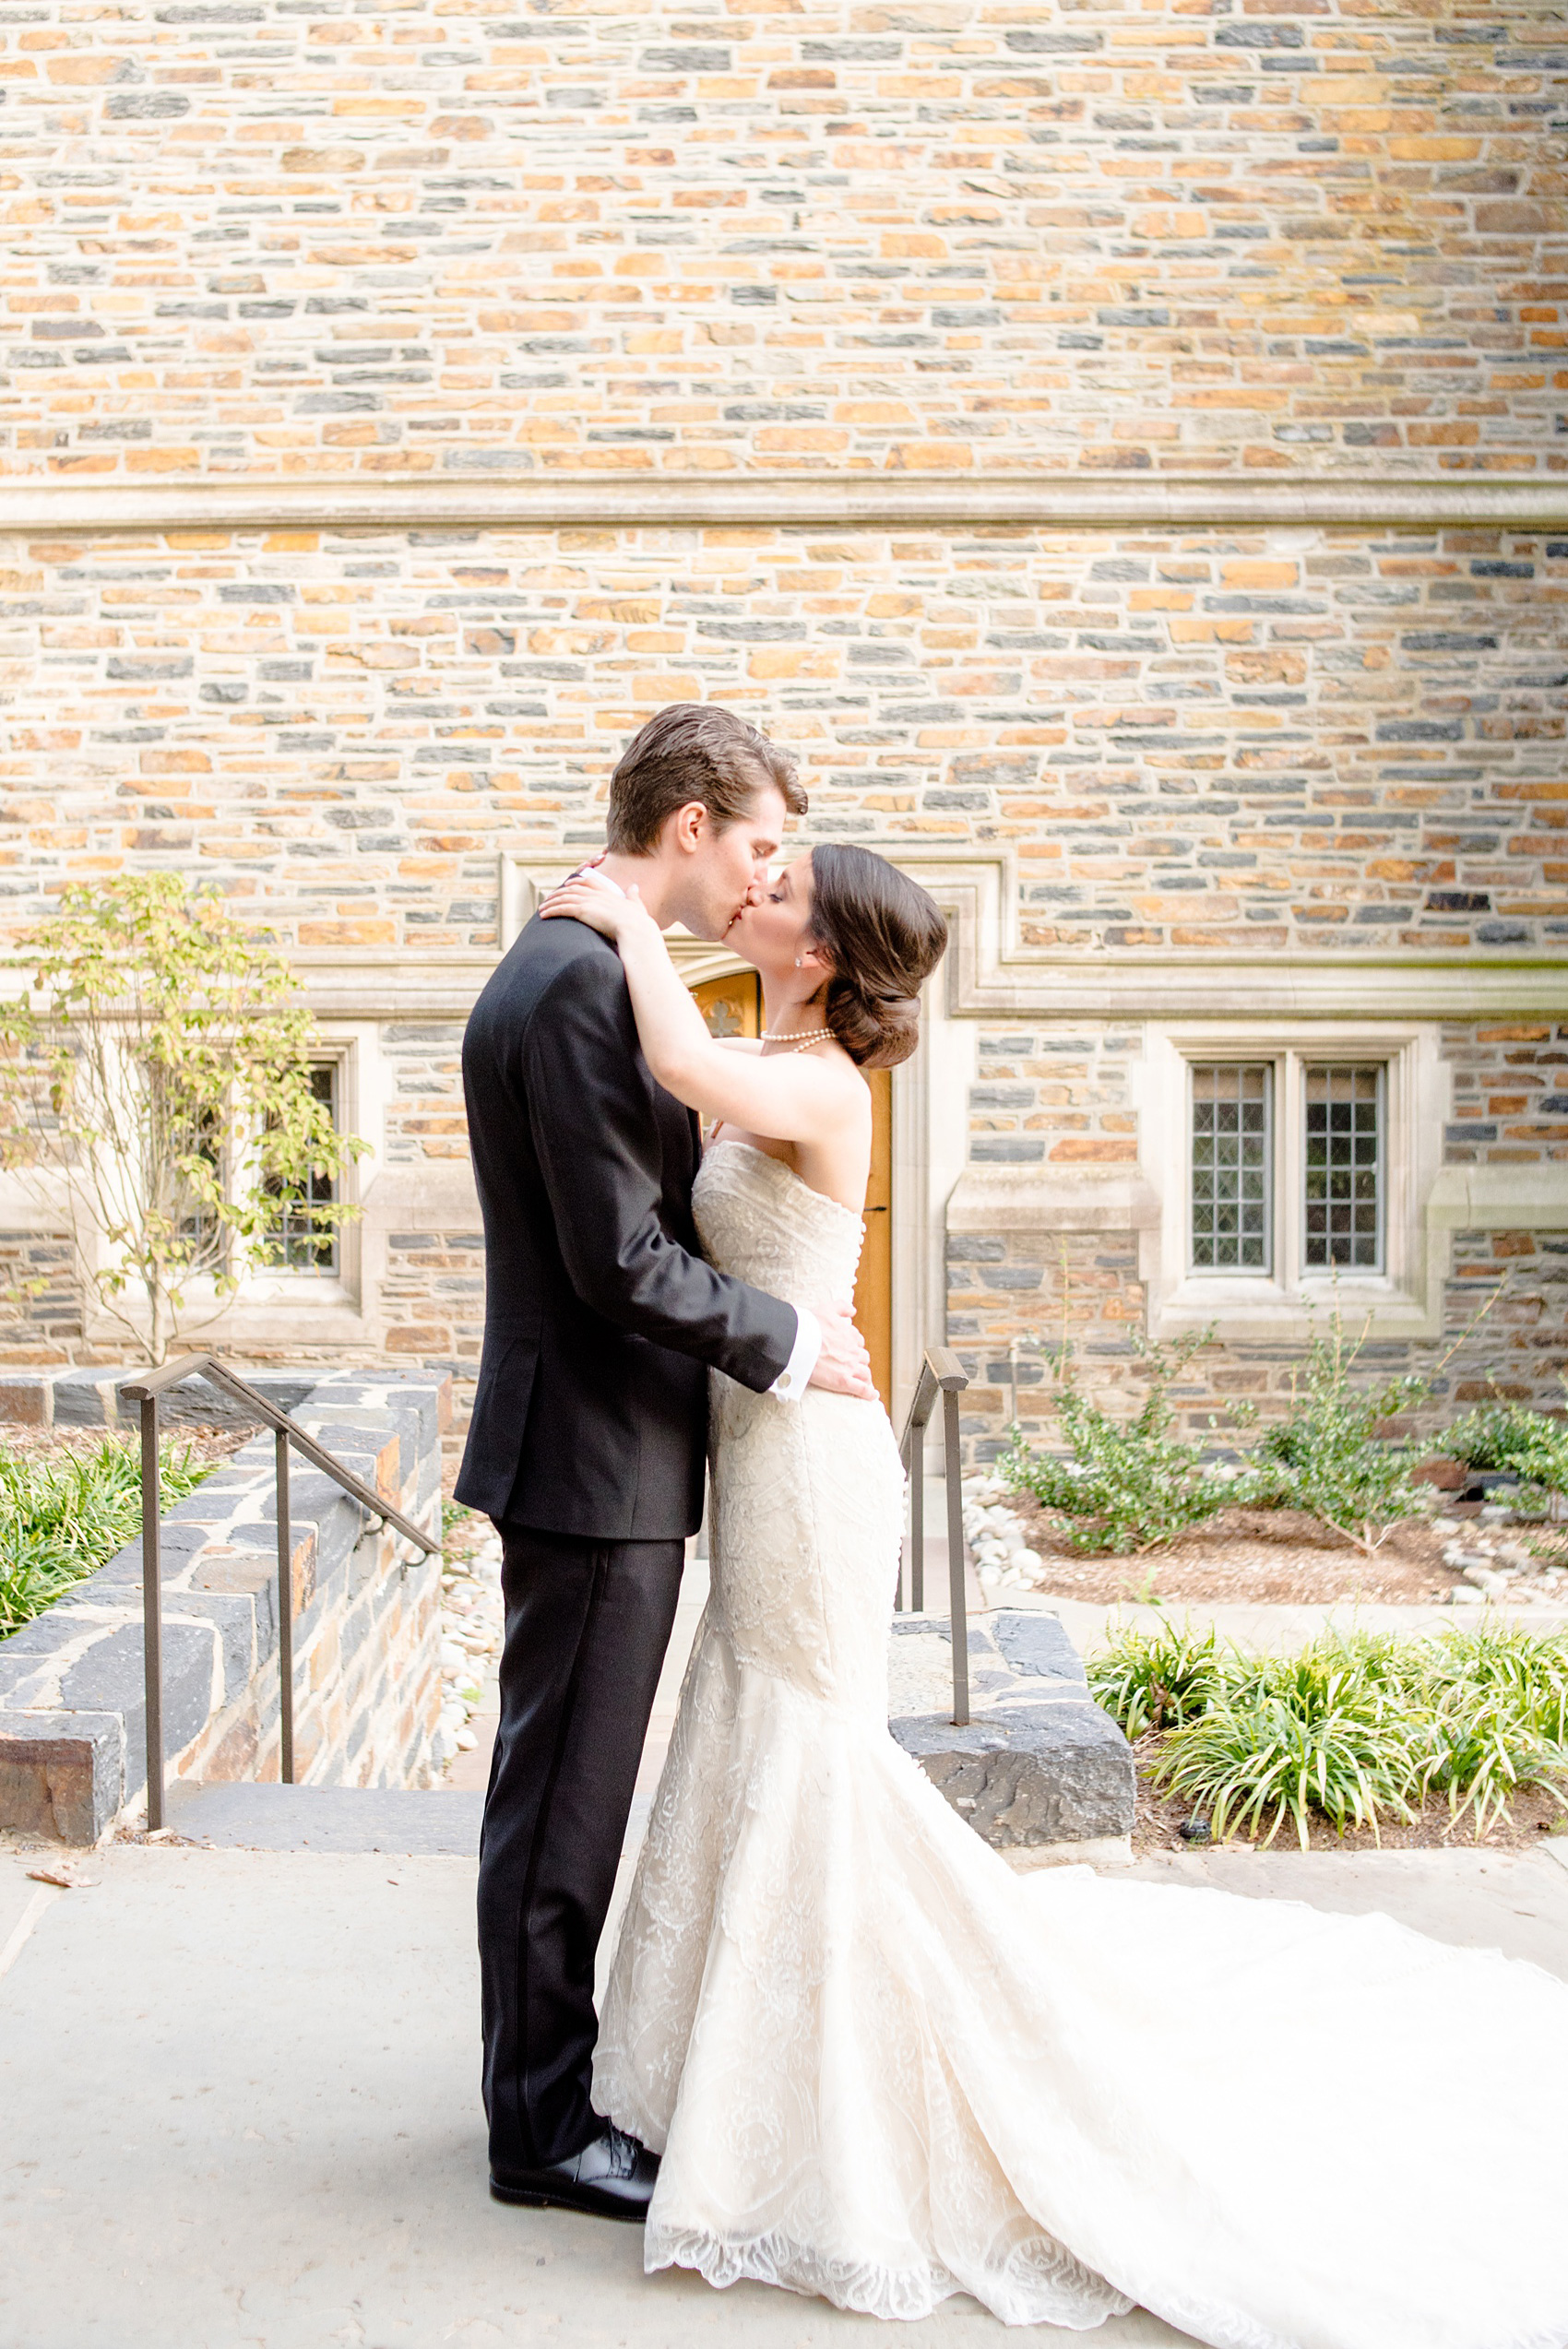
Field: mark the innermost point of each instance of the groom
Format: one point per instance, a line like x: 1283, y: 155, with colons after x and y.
x: 589, y: 1423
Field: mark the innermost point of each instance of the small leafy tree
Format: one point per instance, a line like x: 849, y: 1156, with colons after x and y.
x: 158, y: 1080
x: 1126, y: 1485
x: 1325, y: 1455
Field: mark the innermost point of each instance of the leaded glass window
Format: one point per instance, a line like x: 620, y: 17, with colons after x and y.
x: 303, y: 1245
x: 1232, y: 1152
x: 1344, y: 1170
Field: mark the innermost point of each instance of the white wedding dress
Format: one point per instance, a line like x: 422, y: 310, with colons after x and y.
x: 883, y: 2067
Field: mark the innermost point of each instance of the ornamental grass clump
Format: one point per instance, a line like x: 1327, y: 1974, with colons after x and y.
x: 64, y: 1514
x: 1158, y: 1680
x: 1257, y: 1753
x: 1125, y: 1486
x: 1499, y: 1700
x: 1353, y: 1729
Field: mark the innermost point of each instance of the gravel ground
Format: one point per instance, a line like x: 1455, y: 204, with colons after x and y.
x: 473, y: 1619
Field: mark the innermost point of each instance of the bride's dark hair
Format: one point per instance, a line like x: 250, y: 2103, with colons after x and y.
x: 882, y: 936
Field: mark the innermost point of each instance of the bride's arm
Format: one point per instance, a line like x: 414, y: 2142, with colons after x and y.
x: 793, y: 1098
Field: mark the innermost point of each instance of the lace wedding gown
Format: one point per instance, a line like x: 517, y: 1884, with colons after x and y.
x: 883, y: 2067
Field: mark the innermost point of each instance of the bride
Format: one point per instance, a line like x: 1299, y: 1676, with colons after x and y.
x: 881, y: 2067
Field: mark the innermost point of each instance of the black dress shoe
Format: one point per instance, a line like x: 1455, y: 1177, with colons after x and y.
x: 612, y: 2177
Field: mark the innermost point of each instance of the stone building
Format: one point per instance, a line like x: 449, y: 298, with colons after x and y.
x: 1119, y: 448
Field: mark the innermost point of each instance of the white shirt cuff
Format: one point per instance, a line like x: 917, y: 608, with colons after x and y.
x: 795, y: 1377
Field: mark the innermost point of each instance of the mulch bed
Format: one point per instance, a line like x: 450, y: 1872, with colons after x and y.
x: 1160, y: 1819
x: 1253, y: 1558
x: 1282, y: 1558
x: 34, y: 1443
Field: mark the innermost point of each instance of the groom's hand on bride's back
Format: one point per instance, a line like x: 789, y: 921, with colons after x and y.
x: 843, y: 1366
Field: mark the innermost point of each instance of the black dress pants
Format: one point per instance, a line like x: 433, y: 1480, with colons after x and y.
x: 587, y: 1623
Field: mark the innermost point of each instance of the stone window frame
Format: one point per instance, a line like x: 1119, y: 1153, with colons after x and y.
x: 273, y: 1306
x: 345, y: 1051
x: 1287, y: 1304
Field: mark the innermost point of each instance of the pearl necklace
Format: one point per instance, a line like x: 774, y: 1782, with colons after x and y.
x: 796, y: 1043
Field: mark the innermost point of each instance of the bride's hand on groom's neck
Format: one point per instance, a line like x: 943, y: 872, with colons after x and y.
x: 598, y: 903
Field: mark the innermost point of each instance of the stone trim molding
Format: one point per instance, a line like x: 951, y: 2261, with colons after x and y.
x: 1051, y: 1198
x: 990, y: 971
x: 842, y: 500
x: 1500, y: 1198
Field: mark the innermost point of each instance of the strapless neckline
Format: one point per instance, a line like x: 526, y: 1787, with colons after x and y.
x: 766, y: 1159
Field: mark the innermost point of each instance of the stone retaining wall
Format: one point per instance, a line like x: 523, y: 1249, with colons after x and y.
x: 367, y: 1688
x: 1040, y: 1773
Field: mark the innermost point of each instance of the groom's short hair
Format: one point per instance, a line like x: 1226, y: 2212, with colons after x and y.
x: 693, y: 751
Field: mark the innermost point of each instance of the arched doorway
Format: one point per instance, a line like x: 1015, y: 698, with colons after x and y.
x: 732, y: 1006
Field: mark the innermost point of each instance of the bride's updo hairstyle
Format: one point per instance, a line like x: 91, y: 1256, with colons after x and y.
x: 883, y: 935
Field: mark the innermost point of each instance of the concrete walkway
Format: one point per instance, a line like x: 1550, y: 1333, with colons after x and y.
x: 240, y: 2088
x: 1090, y: 1624
x: 241, y: 2099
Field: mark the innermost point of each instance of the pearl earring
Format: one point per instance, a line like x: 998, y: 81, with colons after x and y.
x: 798, y: 962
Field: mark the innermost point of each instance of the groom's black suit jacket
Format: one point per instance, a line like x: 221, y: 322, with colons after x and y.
x: 600, y: 1316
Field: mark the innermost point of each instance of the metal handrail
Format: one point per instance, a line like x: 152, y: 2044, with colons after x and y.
x: 146, y: 1391
x: 941, y: 1374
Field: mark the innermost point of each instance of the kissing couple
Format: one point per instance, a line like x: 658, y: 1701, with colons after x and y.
x: 844, y: 2048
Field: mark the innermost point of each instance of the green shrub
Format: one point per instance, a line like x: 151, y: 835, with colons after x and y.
x: 1124, y: 1484
x: 1354, y: 1728
x: 1326, y: 1456
x: 1129, y: 1485
x: 1508, y: 1437
x: 1480, y: 1749
x: 64, y: 1515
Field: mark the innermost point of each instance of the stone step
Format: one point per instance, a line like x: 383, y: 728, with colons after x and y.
x: 442, y: 1824
x: 239, y: 1816
x: 1040, y: 1772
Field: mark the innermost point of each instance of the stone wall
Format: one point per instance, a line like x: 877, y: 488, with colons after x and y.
x: 1258, y: 741
x: 1510, y: 1091
x: 1270, y: 742
x: 942, y: 237
x: 367, y: 1690
x: 339, y: 347
x: 1012, y: 1297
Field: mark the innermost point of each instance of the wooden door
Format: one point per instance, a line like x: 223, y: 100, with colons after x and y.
x: 733, y: 1007
x: 873, y: 1289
